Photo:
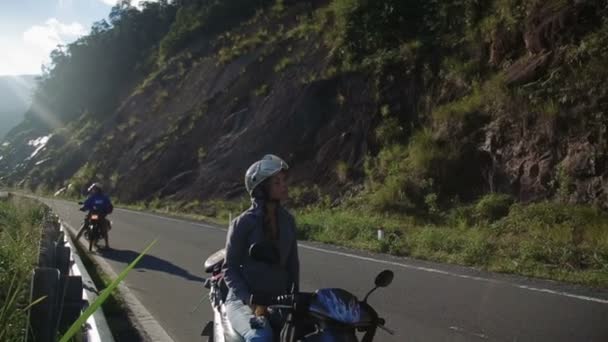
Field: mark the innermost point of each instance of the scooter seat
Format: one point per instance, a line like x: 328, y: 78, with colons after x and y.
x: 215, y: 260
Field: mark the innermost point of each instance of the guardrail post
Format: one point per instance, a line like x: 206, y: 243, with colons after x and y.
x: 43, y: 316
x: 72, y: 302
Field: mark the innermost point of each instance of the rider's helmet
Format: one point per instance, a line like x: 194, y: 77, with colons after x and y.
x: 95, y: 186
x: 261, y: 170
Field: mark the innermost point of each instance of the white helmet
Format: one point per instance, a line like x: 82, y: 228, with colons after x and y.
x: 95, y: 185
x: 263, y: 169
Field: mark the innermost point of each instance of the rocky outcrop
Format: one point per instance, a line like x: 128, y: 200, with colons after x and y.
x: 190, y: 130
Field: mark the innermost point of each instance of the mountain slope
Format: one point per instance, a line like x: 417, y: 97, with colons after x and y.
x: 420, y: 104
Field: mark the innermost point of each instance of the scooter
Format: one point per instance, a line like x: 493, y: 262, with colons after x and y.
x: 93, y: 231
x: 326, y: 315
x: 92, y: 228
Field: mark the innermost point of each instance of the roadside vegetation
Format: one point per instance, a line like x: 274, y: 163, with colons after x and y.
x: 441, y: 74
x: 109, y: 300
x: 20, y: 222
x: 547, y: 240
x: 428, y: 186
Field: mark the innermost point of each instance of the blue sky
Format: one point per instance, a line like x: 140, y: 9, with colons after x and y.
x: 30, y: 29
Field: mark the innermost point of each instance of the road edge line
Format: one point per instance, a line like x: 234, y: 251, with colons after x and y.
x: 145, y: 323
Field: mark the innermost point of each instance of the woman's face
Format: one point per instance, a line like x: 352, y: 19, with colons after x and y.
x: 277, y: 187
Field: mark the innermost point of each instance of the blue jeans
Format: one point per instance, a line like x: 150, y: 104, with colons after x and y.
x: 244, y: 322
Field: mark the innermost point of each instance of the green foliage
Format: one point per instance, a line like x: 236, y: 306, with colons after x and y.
x: 222, y: 210
x: 547, y: 215
x: 557, y: 235
x: 344, y: 227
x: 92, y: 73
x: 403, y: 177
x: 548, y: 240
x: 389, y: 131
x: 564, y: 183
x: 489, y: 94
x: 508, y: 14
x: 458, y: 109
x: 302, y: 196
x: 262, y: 90
x: 389, y: 180
x: 161, y: 98
x: 283, y: 64
x: 492, y: 207
x: 278, y: 7
x: 549, y: 109
x: 202, y: 154
x: 365, y: 27
x: 105, y: 294
x: 342, y: 170
x: 431, y: 203
x: 206, y: 18
x: 86, y: 175
x: 424, y: 152
x: 20, y: 231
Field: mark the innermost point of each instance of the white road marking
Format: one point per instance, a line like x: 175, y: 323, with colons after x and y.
x: 433, y: 270
x: 393, y: 263
x: 461, y: 330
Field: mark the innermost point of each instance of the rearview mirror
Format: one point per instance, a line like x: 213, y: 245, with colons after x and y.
x: 264, y: 251
x: 385, y: 278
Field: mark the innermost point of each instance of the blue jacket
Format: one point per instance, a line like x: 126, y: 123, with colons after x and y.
x: 98, y: 202
x: 245, y: 276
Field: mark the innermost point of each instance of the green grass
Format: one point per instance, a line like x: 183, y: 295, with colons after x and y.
x: 283, y: 64
x: 103, y: 297
x: 342, y: 171
x: 215, y: 211
x: 262, y: 90
x: 545, y: 240
x: 114, y: 308
x: 20, y: 231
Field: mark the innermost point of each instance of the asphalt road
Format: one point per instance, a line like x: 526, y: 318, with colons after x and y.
x: 426, y: 302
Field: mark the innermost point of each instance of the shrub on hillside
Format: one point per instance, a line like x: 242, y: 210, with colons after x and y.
x: 492, y: 207
x: 206, y: 18
x: 556, y: 234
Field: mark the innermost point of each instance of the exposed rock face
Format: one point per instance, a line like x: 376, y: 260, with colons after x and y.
x: 193, y: 129
x: 193, y: 137
x: 537, y: 159
x: 537, y: 156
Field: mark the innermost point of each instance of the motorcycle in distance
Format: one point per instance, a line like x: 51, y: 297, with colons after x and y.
x: 92, y: 230
x: 327, y: 315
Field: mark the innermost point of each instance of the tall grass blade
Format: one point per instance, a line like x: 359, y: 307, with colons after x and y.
x: 103, y: 296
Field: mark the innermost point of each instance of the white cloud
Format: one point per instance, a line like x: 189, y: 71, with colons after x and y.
x: 26, y: 55
x: 52, y: 33
x: 65, y: 3
x: 136, y: 3
x: 18, y: 59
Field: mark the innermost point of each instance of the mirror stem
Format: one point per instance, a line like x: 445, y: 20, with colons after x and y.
x: 369, y: 293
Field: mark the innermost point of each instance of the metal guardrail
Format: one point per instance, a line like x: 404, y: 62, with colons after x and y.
x: 97, y: 326
x: 63, y: 279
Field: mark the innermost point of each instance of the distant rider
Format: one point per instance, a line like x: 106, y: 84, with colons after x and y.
x: 101, y: 204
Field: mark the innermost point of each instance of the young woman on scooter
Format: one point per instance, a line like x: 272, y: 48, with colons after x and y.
x: 265, y: 220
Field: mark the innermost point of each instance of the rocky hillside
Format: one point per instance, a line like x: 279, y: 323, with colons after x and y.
x: 411, y: 105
